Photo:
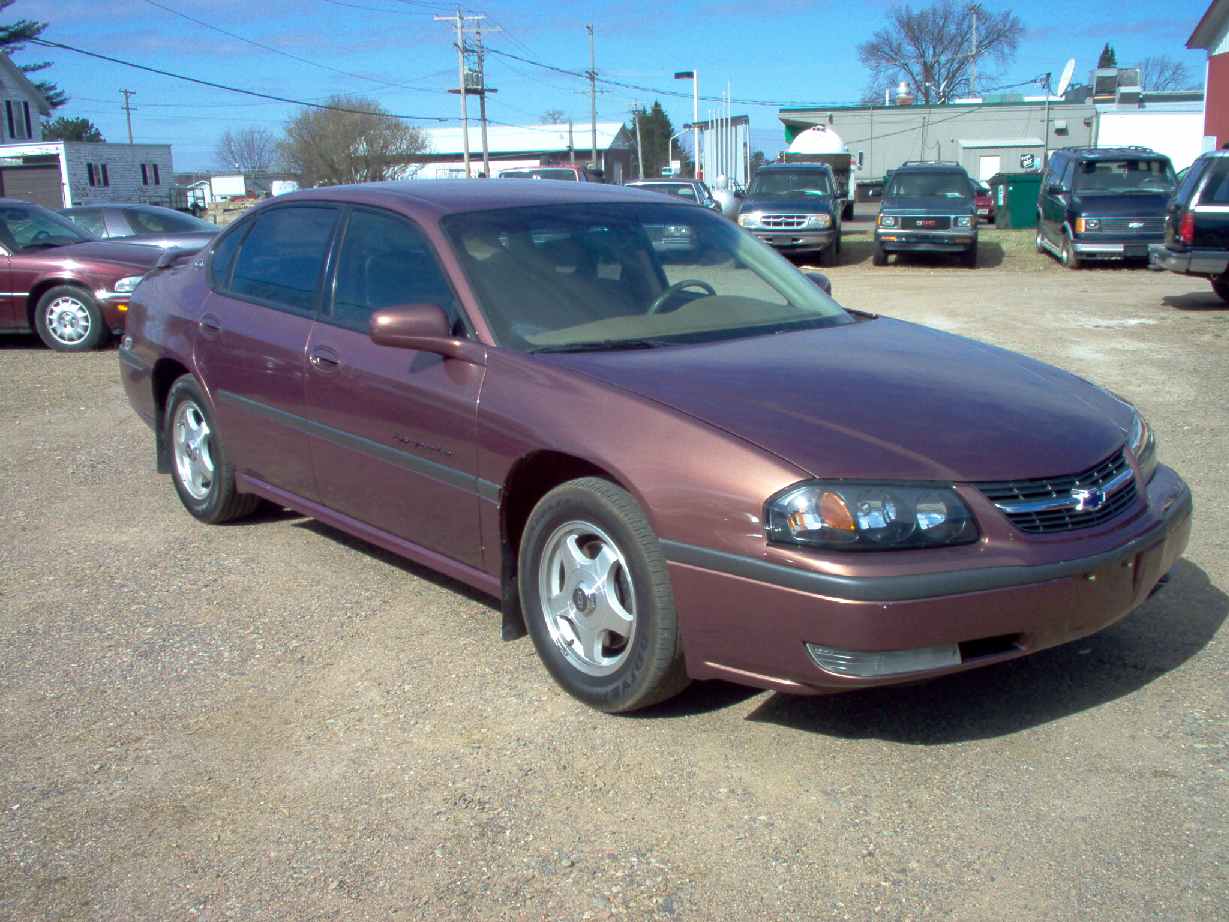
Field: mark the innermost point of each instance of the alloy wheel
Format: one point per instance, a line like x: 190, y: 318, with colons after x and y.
x: 68, y: 320
x: 192, y: 440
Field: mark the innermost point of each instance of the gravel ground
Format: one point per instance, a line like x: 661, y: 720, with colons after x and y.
x: 272, y: 721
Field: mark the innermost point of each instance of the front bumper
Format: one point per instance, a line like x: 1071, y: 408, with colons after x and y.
x: 894, y: 240
x: 795, y: 239
x: 1192, y: 262
x: 114, y: 306
x: 1093, y: 248
x: 742, y: 624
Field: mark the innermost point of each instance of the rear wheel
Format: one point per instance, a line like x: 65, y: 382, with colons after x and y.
x: 1070, y: 259
x: 878, y: 256
x: 68, y: 319
x: 597, y: 598
x: 968, y: 258
x: 1221, y: 287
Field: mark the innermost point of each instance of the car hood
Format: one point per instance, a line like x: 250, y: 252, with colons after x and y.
x: 926, y: 204
x: 112, y: 251
x: 792, y: 204
x: 1135, y: 204
x: 880, y: 399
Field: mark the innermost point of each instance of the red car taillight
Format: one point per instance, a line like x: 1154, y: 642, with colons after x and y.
x: 1186, y: 229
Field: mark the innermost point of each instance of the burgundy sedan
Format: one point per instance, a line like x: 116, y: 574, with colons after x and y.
x: 664, y: 464
x: 60, y: 283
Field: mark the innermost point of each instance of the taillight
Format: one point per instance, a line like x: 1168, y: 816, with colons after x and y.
x: 1186, y: 229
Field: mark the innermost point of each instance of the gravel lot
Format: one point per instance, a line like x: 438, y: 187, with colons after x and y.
x: 272, y: 721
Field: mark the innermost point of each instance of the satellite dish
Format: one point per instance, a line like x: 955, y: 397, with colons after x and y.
x: 1065, y: 80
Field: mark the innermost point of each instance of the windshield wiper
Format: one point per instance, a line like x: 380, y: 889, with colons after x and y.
x: 602, y: 345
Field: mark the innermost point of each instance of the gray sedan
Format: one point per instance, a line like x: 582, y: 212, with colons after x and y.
x: 148, y: 224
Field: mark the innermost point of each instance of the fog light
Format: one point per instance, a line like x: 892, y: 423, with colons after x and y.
x: 875, y: 663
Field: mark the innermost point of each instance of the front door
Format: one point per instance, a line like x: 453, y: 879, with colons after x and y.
x: 394, y: 445
x: 251, y: 340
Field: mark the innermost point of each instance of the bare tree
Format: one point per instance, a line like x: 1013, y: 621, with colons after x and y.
x: 355, y: 141
x: 1163, y: 73
x: 249, y: 150
x: 553, y: 117
x: 932, y: 50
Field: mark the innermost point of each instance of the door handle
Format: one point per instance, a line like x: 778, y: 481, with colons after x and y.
x: 324, y: 360
x: 210, y: 326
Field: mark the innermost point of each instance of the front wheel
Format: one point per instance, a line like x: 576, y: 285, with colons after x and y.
x: 829, y: 255
x: 879, y: 256
x: 1070, y: 259
x: 203, y: 479
x: 68, y: 319
x: 968, y: 258
x: 597, y: 598
x: 1221, y: 287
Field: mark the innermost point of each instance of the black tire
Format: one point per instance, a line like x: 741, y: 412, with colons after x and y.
x: 1038, y: 242
x: 220, y: 501
x: 847, y: 212
x: 649, y: 667
x: 968, y: 258
x: 878, y: 256
x: 68, y: 319
x: 828, y: 256
x: 1070, y: 259
x: 1221, y: 287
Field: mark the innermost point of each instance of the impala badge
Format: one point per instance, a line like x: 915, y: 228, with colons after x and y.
x: 1089, y: 500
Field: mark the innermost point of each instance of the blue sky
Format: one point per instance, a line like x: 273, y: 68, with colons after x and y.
x: 392, y: 50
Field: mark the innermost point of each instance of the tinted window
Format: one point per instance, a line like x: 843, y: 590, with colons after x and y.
x: 283, y: 255
x: 1121, y: 176
x: 1216, y: 192
x: 164, y: 221
x: 89, y: 220
x: 385, y: 262
x: 223, y: 255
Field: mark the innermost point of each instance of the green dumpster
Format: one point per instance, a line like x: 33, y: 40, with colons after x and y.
x: 1015, y: 198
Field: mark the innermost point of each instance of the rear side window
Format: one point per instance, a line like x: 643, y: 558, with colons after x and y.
x: 223, y: 256
x: 1216, y: 192
x: 282, y: 257
x: 89, y: 220
x: 385, y: 262
x: 1189, y: 182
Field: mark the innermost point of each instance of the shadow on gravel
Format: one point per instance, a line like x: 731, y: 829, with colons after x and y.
x: 22, y: 342
x: 1158, y: 637
x: 1196, y: 301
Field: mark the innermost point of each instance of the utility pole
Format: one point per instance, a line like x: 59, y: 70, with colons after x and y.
x: 127, y: 94
x: 973, y: 57
x: 482, y: 91
x: 458, y: 22
x: 636, y: 111
x: 592, y: 93
x: 571, y: 144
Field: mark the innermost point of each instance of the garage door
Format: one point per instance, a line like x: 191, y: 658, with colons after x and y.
x: 38, y: 184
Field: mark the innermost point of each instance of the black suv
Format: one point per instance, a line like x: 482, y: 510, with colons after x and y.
x: 1103, y: 203
x: 794, y: 207
x: 927, y: 207
x: 1197, y: 224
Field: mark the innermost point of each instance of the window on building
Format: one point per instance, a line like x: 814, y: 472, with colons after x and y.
x: 861, y: 159
x: 17, y: 117
x: 97, y: 174
x: 149, y: 175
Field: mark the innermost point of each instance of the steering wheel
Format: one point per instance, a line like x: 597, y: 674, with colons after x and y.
x: 40, y: 236
x: 660, y: 301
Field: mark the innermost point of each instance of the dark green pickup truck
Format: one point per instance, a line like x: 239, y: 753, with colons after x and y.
x: 1197, y: 224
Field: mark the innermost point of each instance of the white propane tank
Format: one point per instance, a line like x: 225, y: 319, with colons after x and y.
x: 818, y: 140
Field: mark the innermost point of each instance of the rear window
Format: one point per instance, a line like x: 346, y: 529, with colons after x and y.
x: 164, y: 221
x: 1123, y: 176
x: 944, y: 184
x: 1216, y: 191
x: 282, y: 257
x: 89, y: 220
x: 682, y: 189
x: 539, y: 174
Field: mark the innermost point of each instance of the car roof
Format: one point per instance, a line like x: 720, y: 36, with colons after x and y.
x: 1111, y: 153
x: 778, y: 165
x: 449, y: 196
x: 921, y: 166
x: 661, y: 182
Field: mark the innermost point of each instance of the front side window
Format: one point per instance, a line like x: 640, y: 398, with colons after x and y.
x: 385, y: 262
x: 945, y: 184
x: 1120, y: 177
x: 282, y: 257
x: 25, y: 229
x: 628, y: 275
x: 791, y: 182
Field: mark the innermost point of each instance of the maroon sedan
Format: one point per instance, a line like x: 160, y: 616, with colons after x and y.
x: 71, y: 290
x: 665, y: 464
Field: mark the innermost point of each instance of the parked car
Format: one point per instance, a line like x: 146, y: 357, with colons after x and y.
x: 151, y: 225
x: 662, y: 471
x: 567, y: 172
x: 1197, y: 224
x: 795, y: 208
x: 691, y: 190
x: 70, y: 289
x: 1099, y: 203
x: 927, y: 207
x: 983, y: 200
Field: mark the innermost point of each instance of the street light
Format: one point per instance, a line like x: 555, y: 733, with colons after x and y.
x: 670, y: 146
x: 694, y: 77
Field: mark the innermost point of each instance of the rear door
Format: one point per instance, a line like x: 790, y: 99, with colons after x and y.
x: 251, y: 340
x: 393, y: 441
x: 1212, y: 211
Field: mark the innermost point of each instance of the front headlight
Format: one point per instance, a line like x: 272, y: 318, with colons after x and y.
x: 750, y: 219
x: 887, y: 220
x: 1142, y: 442
x: 963, y: 220
x: 819, y: 220
x: 868, y: 516
x: 127, y: 284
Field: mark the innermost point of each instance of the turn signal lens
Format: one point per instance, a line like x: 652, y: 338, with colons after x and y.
x: 1186, y: 229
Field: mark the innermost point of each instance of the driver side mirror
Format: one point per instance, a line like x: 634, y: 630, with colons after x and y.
x: 821, y: 281
x: 423, y: 327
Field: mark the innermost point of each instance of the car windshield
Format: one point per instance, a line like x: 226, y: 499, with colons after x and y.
x: 33, y: 228
x: 628, y: 275
x: 557, y: 173
x: 154, y: 220
x: 791, y: 182
x: 1116, y: 177
x: 941, y: 184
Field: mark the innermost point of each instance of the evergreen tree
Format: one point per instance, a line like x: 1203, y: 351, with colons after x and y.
x: 1108, y: 58
x: 13, y: 38
x: 655, y: 132
x: 71, y: 129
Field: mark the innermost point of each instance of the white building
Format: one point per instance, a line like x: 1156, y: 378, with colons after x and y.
x: 520, y: 146
x: 60, y: 174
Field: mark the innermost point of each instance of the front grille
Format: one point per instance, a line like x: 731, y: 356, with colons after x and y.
x: 1123, y: 225
x: 924, y: 222
x: 784, y: 221
x: 1046, y: 505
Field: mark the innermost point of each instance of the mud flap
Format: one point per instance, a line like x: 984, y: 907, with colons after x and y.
x: 512, y: 626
